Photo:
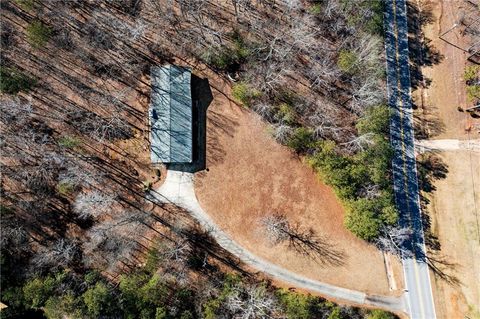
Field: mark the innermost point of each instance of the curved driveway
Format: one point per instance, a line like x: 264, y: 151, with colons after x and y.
x: 178, y: 189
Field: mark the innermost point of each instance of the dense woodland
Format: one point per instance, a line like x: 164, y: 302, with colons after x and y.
x: 80, y: 234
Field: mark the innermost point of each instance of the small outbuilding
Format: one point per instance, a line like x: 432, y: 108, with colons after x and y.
x: 170, y: 114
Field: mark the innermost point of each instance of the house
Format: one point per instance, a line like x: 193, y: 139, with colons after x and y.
x: 170, y: 114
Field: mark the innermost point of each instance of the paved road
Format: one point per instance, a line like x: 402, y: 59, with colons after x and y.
x: 178, y: 189
x: 417, y: 278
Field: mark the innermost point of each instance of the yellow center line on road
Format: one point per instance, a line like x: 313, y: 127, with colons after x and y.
x: 399, y: 89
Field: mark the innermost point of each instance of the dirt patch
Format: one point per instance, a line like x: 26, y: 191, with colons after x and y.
x: 445, y: 89
x: 455, y: 202
x: 249, y: 175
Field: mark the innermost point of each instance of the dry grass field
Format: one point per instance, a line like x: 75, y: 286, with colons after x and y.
x: 455, y: 202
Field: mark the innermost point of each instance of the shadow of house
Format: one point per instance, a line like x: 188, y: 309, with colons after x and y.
x: 201, y: 98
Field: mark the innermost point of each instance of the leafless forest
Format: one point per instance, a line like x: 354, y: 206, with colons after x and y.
x: 74, y: 202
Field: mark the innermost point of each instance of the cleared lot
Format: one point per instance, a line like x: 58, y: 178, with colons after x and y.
x: 250, y: 175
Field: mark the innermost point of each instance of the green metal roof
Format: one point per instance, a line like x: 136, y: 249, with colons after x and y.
x: 171, y: 115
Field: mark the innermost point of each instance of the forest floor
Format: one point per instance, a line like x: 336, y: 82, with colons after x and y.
x: 455, y: 201
x: 249, y: 175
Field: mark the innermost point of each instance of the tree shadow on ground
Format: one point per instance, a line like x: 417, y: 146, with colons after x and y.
x: 441, y: 267
x: 422, y: 53
x: 430, y: 168
x: 204, y: 245
x: 427, y: 125
x: 307, y: 243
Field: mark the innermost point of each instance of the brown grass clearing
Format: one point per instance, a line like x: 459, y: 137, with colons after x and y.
x: 250, y: 175
x: 454, y: 206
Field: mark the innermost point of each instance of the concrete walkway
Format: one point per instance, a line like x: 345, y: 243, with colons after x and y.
x: 178, y: 189
x: 422, y: 146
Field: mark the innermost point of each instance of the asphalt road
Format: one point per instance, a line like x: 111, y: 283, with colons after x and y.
x: 417, y: 278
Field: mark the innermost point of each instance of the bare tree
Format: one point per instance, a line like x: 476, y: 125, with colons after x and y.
x: 80, y: 173
x: 370, y: 191
x: 14, y: 236
x: 393, y: 240
x: 99, y: 128
x: 94, y: 204
x: 247, y: 301
x: 14, y: 110
x: 60, y: 254
x: 175, y: 257
x: 40, y: 176
x: 115, y: 239
x: 277, y: 227
x: 326, y: 124
x: 359, y: 143
x: 303, y: 241
x: 282, y: 133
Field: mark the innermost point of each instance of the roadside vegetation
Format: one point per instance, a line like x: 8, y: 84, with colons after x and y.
x: 472, y: 77
x: 157, y: 290
x: 78, y: 224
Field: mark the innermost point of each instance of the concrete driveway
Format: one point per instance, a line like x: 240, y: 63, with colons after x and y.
x: 178, y: 189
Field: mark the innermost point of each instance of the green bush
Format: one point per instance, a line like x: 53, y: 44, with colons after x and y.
x: 286, y: 114
x: 380, y: 314
x: 302, y: 140
x: 13, y: 81
x: 362, y: 218
x: 142, y: 293
x: 376, y: 120
x: 316, y: 8
x: 241, y: 50
x: 69, y: 141
x: 337, y: 170
x: 228, y: 57
x: 212, y: 306
x: 153, y: 291
x: 58, y: 306
x: 243, y: 93
x: 65, y: 188
x: 351, y: 175
x: 26, y: 4
x: 38, y: 34
x: 98, y: 300
x: 153, y: 259
x: 473, y: 92
x: 297, y: 306
x: 355, y: 15
x: 186, y: 315
x: 374, y: 25
x: 221, y: 59
x: 303, y: 306
x: 160, y: 313
x: 92, y: 277
x: 347, y: 61
x: 37, y: 291
x: 376, y: 160
x: 472, y: 77
x: 471, y: 73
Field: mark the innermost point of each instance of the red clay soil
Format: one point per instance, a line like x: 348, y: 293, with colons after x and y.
x: 250, y: 175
